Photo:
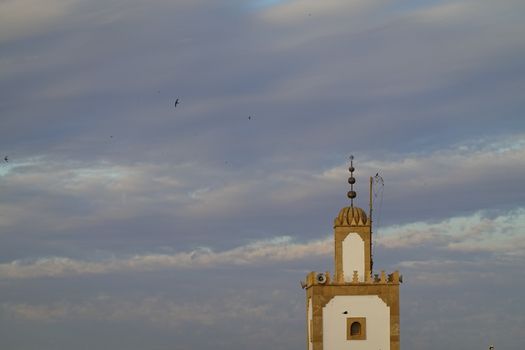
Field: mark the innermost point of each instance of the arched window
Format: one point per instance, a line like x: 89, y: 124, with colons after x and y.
x: 355, y: 329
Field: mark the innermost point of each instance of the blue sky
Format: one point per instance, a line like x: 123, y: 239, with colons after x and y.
x: 126, y: 223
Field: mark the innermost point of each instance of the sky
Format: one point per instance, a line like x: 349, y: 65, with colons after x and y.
x: 128, y: 223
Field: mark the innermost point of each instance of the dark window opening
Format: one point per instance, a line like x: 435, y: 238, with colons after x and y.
x: 355, y: 328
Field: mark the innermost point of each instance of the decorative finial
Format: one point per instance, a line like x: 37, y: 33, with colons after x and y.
x: 351, y: 180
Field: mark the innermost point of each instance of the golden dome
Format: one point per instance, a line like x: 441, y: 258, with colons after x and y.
x: 351, y: 216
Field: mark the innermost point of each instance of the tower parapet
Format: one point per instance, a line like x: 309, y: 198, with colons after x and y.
x: 313, y: 279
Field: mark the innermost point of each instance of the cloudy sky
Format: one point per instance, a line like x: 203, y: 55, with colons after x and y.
x: 128, y: 224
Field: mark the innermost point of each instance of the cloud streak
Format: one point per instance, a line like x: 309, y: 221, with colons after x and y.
x: 502, y: 235
x: 109, y: 190
x: 279, y: 249
x: 159, y: 310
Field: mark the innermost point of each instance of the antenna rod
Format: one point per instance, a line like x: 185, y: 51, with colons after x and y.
x: 370, y: 215
x: 370, y: 212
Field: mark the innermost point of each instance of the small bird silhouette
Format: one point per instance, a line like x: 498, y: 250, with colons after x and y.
x: 6, y: 159
x: 176, y: 102
x: 345, y: 313
x: 250, y: 117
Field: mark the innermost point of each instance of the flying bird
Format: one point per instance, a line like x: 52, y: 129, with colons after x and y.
x: 6, y: 159
x: 176, y: 102
x: 345, y: 313
x: 250, y: 117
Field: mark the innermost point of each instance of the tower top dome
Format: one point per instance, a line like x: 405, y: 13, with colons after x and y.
x: 351, y: 216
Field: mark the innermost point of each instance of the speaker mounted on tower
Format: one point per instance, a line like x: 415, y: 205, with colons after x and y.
x: 320, y: 278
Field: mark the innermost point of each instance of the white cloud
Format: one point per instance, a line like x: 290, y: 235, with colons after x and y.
x: 503, y: 234
x: 279, y: 249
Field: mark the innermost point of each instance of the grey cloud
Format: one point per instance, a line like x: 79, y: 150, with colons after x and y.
x: 150, y: 202
x: 279, y: 92
x: 157, y: 310
x: 500, y: 236
x: 103, y: 168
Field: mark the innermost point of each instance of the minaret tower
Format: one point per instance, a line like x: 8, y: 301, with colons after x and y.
x: 356, y: 310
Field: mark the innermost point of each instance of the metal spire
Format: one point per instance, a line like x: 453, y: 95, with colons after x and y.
x: 351, y: 180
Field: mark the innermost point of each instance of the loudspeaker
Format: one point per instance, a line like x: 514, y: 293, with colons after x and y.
x: 320, y: 278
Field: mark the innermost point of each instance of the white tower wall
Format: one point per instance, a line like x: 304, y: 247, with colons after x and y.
x: 371, y: 307
x: 353, y: 257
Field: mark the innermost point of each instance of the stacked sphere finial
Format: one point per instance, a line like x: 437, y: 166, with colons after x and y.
x: 351, y: 180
